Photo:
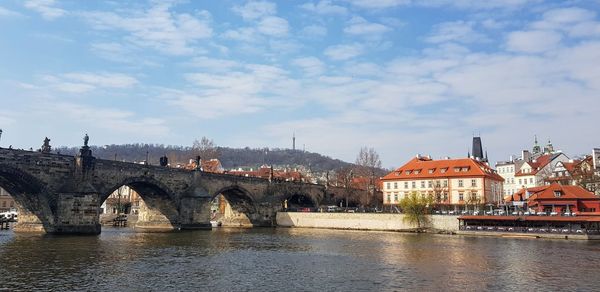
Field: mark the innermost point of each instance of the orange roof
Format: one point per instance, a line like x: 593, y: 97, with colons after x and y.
x: 424, y: 168
x: 548, y: 192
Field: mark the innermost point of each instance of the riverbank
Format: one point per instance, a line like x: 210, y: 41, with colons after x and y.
x: 365, y: 221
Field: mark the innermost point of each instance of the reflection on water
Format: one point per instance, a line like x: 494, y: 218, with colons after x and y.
x: 292, y: 259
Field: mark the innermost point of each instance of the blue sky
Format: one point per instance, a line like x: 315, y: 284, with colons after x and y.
x: 401, y: 76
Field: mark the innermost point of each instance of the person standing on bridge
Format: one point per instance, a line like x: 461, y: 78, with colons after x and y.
x: 285, y: 205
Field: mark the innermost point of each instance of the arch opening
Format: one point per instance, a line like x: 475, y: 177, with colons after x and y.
x: 139, y: 204
x: 22, y: 199
x: 299, y: 203
x: 234, y: 207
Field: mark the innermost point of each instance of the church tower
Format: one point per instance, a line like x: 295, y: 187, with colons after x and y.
x: 536, y: 147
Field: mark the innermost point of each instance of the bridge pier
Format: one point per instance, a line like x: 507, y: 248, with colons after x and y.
x: 77, y: 213
x: 195, y: 213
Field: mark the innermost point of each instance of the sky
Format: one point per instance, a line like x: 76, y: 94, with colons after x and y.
x: 401, y: 76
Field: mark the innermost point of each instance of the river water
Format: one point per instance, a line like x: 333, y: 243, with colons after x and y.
x: 265, y: 259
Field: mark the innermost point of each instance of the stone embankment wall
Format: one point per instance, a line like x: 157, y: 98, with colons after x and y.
x: 362, y: 221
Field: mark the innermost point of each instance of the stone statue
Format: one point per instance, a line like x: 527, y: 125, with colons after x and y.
x: 46, y: 148
x: 86, y: 138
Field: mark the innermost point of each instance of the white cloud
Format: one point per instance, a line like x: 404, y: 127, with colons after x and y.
x: 159, y: 28
x: 314, y: 31
x: 109, y: 80
x: 273, y: 26
x: 8, y: 13
x: 378, y: 4
x: 455, y: 31
x: 312, y: 66
x: 213, y: 64
x: 480, y: 5
x: 343, y: 52
x: 113, y: 120
x: 360, y: 26
x: 324, y: 7
x: 46, y: 8
x: 252, y: 88
x: 533, y: 41
x: 255, y: 9
x: 82, y: 82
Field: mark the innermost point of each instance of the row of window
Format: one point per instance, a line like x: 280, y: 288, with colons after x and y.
x: 506, y: 169
x: 443, y: 197
x: 444, y: 183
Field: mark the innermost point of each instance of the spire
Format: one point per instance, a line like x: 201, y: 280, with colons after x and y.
x: 294, y: 141
x: 536, y: 147
x: 477, y: 148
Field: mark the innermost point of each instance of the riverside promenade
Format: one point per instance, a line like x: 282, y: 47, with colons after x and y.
x: 363, y: 221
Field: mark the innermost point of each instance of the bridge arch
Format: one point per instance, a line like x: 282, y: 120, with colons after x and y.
x: 27, y: 192
x: 235, y: 206
x: 299, y: 200
x: 158, y: 206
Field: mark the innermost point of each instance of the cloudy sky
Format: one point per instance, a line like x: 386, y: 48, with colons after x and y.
x: 401, y: 76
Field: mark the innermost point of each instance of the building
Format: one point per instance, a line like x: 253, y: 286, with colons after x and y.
x: 454, y: 183
x: 579, y: 172
x: 533, y: 168
x: 7, y: 203
x: 556, y: 199
x: 123, y: 200
x: 268, y: 172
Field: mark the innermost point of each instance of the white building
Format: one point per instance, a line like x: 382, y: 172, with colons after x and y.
x: 451, y: 182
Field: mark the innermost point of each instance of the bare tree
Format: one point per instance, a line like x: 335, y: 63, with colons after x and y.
x: 205, y: 148
x: 368, y: 165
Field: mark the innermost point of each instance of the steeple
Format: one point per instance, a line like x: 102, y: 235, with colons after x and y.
x: 549, y: 148
x: 294, y: 141
x: 536, y: 148
x: 477, y: 148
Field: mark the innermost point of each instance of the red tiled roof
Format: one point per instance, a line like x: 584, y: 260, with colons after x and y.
x: 423, y: 168
x: 547, y: 192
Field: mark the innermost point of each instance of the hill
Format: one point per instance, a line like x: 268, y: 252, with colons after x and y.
x: 229, y: 157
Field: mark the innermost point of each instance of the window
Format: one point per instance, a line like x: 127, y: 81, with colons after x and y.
x: 389, y: 198
x: 443, y: 170
x: 432, y: 170
x: 464, y: 169
x: 456, y: 169
x: 520, y: 182
x: 437, y: 183
x: 460, y: 197
x: 387, y: 185
x: 423, y: 184
x: 395, y: 197
x: 557, y: 194
x: 473, y: 183
x: 407, y: 172
x: 429, y: 184
x: 460, y: 183
x: 531, y: 180
x: 445, y: 183
x: 414, y: 184
x: 395, y: 185
x: 417, y: 171
x: 406, y: 185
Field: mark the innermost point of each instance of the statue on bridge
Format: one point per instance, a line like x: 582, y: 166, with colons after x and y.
x: 46, y: 148
x: 86, y: 139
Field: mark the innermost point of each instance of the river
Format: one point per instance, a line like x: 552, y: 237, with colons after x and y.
x: 265, y: 259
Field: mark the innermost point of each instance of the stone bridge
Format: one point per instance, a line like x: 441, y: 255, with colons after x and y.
x: 63, y: 194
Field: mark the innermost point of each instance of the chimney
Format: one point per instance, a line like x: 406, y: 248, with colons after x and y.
x: 526, y: 155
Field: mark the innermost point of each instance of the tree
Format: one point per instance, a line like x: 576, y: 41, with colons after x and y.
x: 368, y: 165
x: 440, y: 192
x: 206, y: 149
x: 415, y: 208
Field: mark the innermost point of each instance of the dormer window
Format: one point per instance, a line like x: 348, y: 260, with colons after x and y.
x: 417, y: 171
x: 432, y: 170
x: 557, y: 194
x: 407, y: 172
x: 443, y: 170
